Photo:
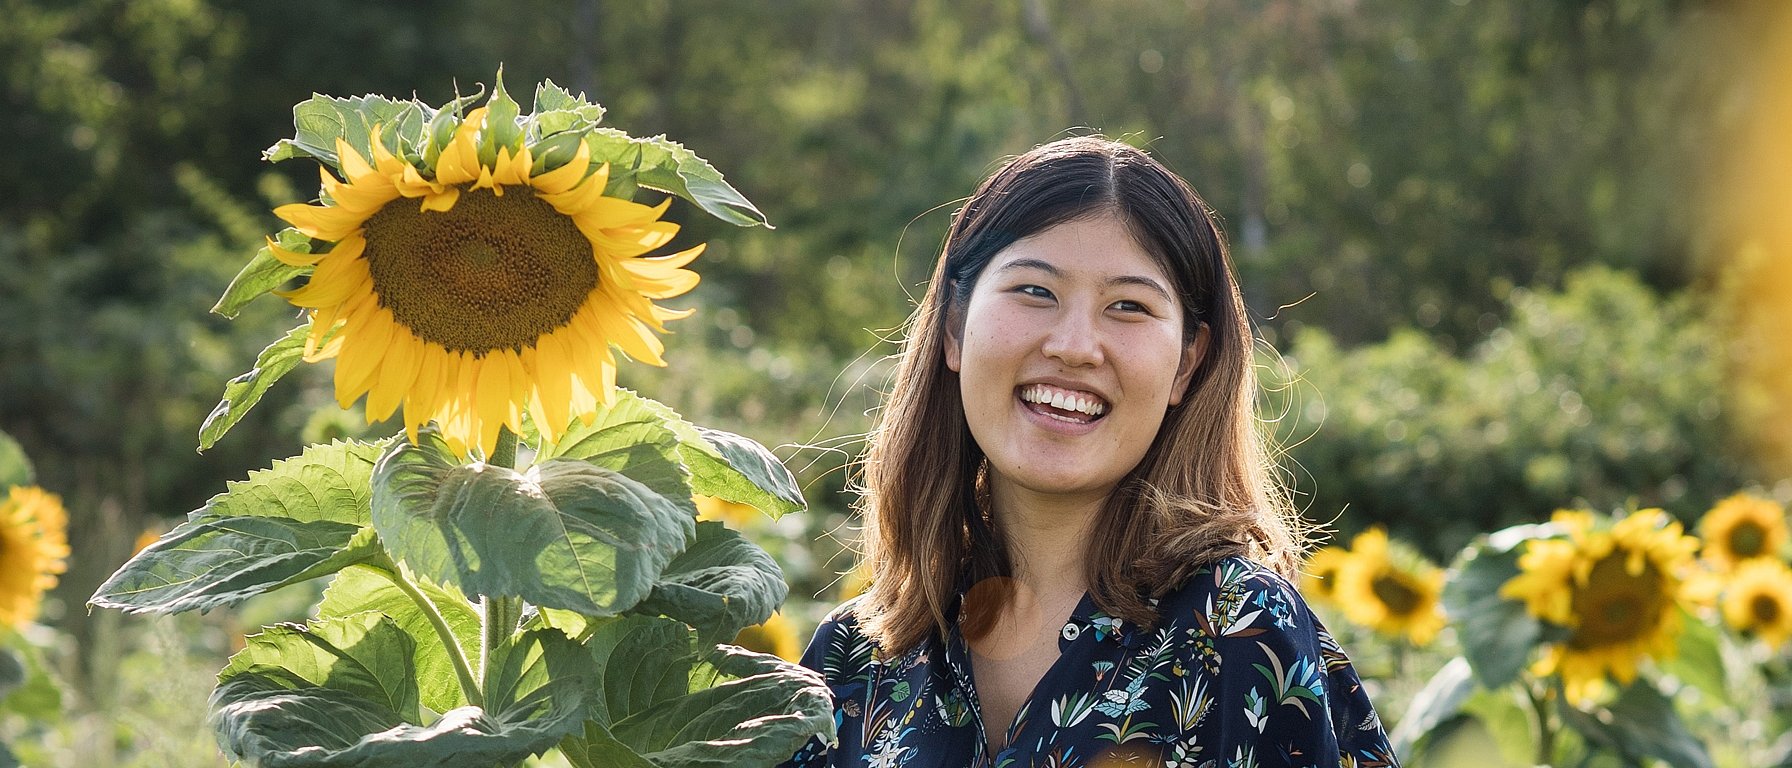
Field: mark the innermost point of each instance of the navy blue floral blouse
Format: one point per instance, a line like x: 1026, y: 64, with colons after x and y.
x: 1238, y: 672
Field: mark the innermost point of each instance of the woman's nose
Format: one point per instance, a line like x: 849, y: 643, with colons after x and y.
x: 1073, y: 341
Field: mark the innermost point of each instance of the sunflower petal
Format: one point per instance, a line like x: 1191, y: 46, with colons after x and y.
x: 493, y: 400
x: 397, y: 371
x: 321, y: 222
x: 566, y: 176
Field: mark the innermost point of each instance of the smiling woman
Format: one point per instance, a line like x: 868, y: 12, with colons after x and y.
x: 1080, y: 555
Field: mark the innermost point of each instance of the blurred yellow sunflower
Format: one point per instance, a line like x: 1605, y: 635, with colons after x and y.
x: 482, y: 290
x: 730, y: 513
x: 1616, y: 588
x: 1740, y: 528
x: 1319, y: 582
x: 1757, y: 601
x: 1390, y: 589
x: 776, y: 636
x: 33, y: 550
x: 854, y: 582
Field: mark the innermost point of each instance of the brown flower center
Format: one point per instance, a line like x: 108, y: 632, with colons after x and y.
x: 1747, y: 540
x: 1615, y: 606
x: 1395, y: 593
x: 491, y: 273
x: 1764, y: 610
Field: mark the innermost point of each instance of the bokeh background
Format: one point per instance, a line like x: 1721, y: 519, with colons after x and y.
x: 1513, y: 255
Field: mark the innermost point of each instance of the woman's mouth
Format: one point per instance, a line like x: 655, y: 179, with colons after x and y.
x: 1063, y: 404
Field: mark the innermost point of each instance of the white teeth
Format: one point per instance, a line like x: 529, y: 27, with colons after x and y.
x: 1058, y: 398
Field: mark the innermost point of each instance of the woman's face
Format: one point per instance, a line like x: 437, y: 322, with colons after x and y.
x: 1069, y: 352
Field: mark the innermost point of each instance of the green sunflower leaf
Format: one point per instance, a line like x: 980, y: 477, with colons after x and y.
x: 366, y: 654
x: 666, y: 165
x: 15, y: 466
x: 720, y: 464
x: 333, y: 707
x: 442, y: 124
x: 1699, y: 659
x: 304, y: 517
x: 728, y: 466
x: 364, y: 589
x: 1440, y: 701
x: 635, y: 439
x: 1641, y: 723
x: 320, y: 120
x: 1498, y: 635
x: 722, y: 584
x: 567, y: 534
x: 662, y: 705
x: 557, y: 110
x: 263, y: 274
x: 501, y: 128
x: 244, y: 391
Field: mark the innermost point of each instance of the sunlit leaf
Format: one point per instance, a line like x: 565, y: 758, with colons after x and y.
x: 635, y: 439
x: 320, y: 120
x: 565, y: 535
x: 722, y: 584
x: 362, y: 589
x: 321, y: 702
x: 759, y: 713
x: 304, y: 517
x: 1438, y: 702
x: 263, y: 274
x: 1498, y: 635
x: 1641, y: 724
x: 15, y: 467
x: 666, y: 165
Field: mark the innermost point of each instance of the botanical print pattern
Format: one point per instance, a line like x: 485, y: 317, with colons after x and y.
x: 1237, y: 673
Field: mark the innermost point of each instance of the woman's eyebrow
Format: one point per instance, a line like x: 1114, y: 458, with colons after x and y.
x: 1046, y: 267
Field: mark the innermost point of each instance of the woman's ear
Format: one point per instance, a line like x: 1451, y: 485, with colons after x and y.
x: 954, y: 328
x: 1192, y: 355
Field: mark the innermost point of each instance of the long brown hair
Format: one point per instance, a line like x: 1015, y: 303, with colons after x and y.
x: 1206, y: 488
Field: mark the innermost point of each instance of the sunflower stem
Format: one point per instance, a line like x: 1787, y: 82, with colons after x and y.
x: 1546, y: 732
x: 469, y: 685
x: 500, y: 614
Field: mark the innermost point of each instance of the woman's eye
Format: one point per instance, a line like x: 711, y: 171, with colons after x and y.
x: 1034, y: 291
x: 1132, y: 306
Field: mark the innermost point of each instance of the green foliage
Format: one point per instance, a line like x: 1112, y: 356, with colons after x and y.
x: 15, y: 466
x: 1498, y: 635
x: 650, y: 718
x: 303, y: 518
x: 1602, y: 394
x: 721, y: 584
x: 263, y: 273
x: 342, y: 692
x: 363, y: 589
x: 719, y: 463
x: 243, y: 392
x: 565, y: 535
x: 1641, y: 724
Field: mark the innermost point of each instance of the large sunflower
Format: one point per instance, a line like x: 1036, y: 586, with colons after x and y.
x: 1390, y: 589
x: 1616, y: 588
x: 1743, y: 528
x: 483, y: 288
x: 33, y: 550
x: 1758, y: 601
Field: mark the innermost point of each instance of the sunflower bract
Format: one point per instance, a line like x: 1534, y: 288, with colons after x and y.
x: 472, y: 293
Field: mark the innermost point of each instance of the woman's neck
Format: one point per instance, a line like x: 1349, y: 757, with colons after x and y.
x: 1048, y: 536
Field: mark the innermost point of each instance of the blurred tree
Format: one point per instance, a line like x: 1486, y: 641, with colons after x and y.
x: 1604, y: 394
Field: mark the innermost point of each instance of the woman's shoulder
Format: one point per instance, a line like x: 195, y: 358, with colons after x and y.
x: 1235, y: 597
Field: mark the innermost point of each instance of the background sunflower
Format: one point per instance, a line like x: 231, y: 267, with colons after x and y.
x: 33, y: 551
x: 1616, y: 588
x: 1390, y: 588
x: 1741, y: 528
x: 1757, y: 601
